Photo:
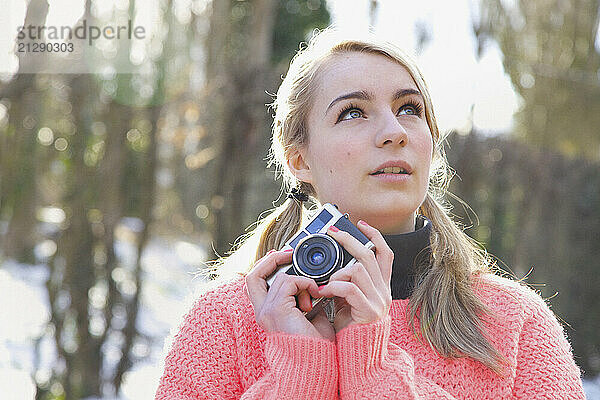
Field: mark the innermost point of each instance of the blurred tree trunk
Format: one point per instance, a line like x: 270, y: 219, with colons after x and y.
x: 18, y: 195
x: 218, y: 77
x: 373, y: 6
x: 114, y: 196
x: 73, y: 271
x: 147, y: 187
x: 75, y: 247
x: 239, y: 75
x: 112, y: 205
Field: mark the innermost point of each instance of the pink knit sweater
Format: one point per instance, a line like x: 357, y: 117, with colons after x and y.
x: 221, y: 353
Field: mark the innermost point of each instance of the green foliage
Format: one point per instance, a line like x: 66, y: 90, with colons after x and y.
x: 294, y: 22
x: 553, y: 61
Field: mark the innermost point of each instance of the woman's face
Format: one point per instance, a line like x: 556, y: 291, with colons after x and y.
x: 369, y: 149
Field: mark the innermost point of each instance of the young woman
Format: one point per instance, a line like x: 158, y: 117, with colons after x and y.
x: 421, y: 316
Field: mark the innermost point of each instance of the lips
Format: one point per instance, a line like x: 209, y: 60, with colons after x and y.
x: 399, y: 167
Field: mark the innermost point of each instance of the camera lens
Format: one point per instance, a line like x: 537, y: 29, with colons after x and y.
x: 317, y: 256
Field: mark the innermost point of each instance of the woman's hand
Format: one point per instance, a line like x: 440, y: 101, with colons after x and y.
x: 363, y: 288
x: 276, y: 308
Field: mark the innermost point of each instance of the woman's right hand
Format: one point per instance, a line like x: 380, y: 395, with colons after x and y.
x: 275, y: 308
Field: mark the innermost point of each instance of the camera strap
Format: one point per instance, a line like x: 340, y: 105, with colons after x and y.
x: 329, y: 308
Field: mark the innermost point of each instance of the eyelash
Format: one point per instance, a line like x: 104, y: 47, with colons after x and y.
x: 345, y: 110
x: 417, y: 106
x: 410, y: 103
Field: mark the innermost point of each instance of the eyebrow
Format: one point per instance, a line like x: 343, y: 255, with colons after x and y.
x: 361, y: 95
x: 364, y: 95
x: 407, y: 92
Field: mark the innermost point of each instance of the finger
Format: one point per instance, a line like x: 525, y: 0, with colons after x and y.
x: 383, y: 253
x: 362, y: 254
x: 304, y: 301
x: 255, y: 280
x: 274, y: 287
x: 293, y: 285
x: 349, y: 292
x: 285, y: 287
x: 358, y: 275
x: 267, y: 265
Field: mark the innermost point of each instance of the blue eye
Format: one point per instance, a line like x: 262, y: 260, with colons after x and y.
x: 350, y: 112
x: 407, y: 111
x: 411, y: 109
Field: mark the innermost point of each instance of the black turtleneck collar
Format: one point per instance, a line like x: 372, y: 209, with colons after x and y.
x: 411, y: 253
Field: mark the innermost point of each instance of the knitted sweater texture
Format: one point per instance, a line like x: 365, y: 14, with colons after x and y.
x: 221, y: 353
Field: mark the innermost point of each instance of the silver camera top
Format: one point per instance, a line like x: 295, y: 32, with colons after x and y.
x: 316, y: 254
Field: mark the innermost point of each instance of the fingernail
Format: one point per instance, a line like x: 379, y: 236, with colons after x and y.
x: 363, y: 223
x: 333, y: 228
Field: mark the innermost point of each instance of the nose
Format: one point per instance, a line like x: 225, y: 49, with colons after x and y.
x: 391, y: 132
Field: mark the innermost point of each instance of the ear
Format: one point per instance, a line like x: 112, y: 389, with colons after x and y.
x: 299, y: 167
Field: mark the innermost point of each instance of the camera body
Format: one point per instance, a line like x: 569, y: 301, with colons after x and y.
x: 317, y: 255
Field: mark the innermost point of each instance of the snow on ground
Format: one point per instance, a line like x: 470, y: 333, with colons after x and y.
x: 169, y: 288
x: 592, y: 388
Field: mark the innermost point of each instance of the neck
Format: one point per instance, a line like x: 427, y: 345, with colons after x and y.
x: 405, y: 225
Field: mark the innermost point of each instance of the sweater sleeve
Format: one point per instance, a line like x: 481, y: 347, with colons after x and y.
x: 203, y: 362
x: 371, y: 367
x: 545, y: 367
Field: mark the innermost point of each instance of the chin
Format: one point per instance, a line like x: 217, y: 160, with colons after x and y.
x: 397, y: 207
x: 379, y: 211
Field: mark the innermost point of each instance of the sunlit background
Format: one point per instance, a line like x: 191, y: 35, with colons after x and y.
x: 468, y: 89
x: 116, y: 188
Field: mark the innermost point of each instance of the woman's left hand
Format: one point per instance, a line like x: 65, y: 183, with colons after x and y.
x: 363, y: 289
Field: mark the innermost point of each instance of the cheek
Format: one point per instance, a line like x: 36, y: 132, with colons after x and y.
x: 339, y: 158
x: 429, y: 149
x: 334, y: 166
x: 346, y: 162
x: 425, y: 146
x: 424, y: 152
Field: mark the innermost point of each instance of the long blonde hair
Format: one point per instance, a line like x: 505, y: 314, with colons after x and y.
x: 443, y: 302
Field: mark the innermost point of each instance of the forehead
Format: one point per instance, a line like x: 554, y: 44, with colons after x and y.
x: 362, y: 71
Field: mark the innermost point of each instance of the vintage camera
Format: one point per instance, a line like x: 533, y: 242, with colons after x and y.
x: 316, y: 254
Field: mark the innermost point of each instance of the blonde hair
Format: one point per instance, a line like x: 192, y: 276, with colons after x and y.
x: 443, y: 302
